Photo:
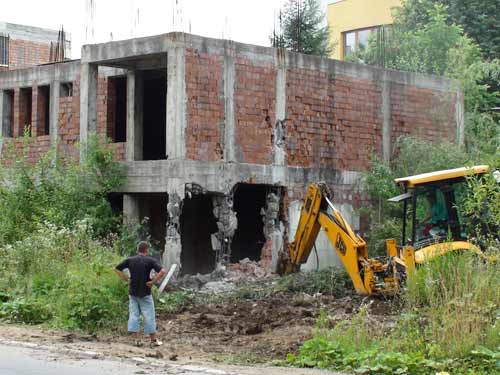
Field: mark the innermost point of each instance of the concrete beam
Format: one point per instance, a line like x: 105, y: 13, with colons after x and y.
x: 88, y: 103
x: 135, y: 91
x: 159, y: 176
x: 176, y: 104
x: 42, y: 74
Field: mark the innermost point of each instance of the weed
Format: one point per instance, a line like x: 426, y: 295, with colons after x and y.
x: 26, y: 310
x: 332, y: 281
x: 173, y: 302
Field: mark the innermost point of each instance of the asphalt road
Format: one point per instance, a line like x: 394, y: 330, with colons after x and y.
x: 22, y: 360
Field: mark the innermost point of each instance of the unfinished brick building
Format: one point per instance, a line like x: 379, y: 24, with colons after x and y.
x: 220, y: 139
x: 23, y: 46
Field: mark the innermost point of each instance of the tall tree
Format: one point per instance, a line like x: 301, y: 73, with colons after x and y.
x: 479, y: 19
x: 303, y: 28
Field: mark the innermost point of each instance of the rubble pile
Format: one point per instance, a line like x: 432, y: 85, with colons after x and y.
x: 224, y: 278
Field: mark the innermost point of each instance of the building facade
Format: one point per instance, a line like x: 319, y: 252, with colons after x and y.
x: 220, y: 139
x: 353, y: 21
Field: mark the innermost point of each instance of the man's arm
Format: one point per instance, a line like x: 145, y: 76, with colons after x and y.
x: 158, y: 276
x: 119, y: 271
x: 122, y: 275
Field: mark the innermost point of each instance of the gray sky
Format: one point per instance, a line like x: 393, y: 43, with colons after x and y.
x: 240, y: 20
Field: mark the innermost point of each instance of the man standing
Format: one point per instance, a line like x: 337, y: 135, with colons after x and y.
x: 140, y: 298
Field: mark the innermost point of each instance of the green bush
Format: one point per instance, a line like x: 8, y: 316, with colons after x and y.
x: 64, y: 276
x: 26, y: 310
x: 57, y: 191
x: 452, y: 324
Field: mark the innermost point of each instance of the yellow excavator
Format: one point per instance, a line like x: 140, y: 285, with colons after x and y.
x: 424, y: 236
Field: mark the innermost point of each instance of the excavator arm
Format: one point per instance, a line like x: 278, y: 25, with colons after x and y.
x: 369, y: 276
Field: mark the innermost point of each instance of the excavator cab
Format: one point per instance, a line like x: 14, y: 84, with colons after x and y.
x: 432, y: 211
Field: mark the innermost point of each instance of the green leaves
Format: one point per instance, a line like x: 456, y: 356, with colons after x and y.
x: 304, y: 28
x: 58, y: 191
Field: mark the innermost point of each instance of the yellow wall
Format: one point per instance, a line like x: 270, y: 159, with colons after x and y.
x: 347, y: 15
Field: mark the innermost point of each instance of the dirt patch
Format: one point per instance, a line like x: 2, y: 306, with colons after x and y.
x: 257, y: 330
x: 236, y: 331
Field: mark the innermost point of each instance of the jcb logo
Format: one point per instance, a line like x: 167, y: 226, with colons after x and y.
x: 340, y: 244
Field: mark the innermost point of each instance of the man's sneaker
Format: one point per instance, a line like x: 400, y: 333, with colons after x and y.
x: 156, y: 342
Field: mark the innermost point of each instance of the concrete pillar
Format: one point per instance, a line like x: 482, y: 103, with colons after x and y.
x: 173, y: 245
x: 227, y: 223
x: 2, y: 115
x: 279, y: 146
x: 2, y: 120
x: 176, y: 103
x: 135, y: 90
x: 88, y: 103
x: 131, y: 210
x: 459, y: 117
x: 229, y: 117
x: 273, y: 231
x: 386, y: 118
x: 55, y: 88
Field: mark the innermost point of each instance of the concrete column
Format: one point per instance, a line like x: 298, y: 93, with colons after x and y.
x: 2, y: 115
x: 135, y: 90
x: 386, y: 118
x: 459, y: 117
x: 6, y: 115
x: 131, y: 210
x: 176, y: 103
x: 55, y: 88
x: 88, y: 103
x: 279, y: 146
x: 173, y: 245
x: 229, y: 118
x: 2, y: 120
x: 227, y: 223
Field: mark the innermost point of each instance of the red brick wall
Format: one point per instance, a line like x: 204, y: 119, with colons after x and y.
x: 23, y: 53
x: 333, y: 121
x: 309, y: 112
x: 36, y: 146
x: 358, y: 122
x: 105, y: 114
x: 69, y: 123
x: 254, y: 106
x: 205, y: 106
x: 421, y: 112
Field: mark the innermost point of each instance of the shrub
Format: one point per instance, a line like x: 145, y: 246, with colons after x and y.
x: 452, y: 325
x: 26, y: 310
x: 58, y: 191
x: 68, y: 277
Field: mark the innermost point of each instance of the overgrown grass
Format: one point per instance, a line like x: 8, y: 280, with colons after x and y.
x: 62, y: 277
x: 452, y: 323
